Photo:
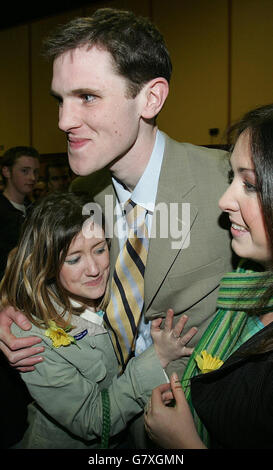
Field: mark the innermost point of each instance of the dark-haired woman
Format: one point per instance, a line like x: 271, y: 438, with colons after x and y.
x: 228, y: 383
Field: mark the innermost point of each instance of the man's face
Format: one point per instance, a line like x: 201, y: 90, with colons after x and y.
x: 101, y: 122
x: 23, y: 175
x: 58, y: 178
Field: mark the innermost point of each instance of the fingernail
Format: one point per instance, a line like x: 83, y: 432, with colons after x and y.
x: 25, y: 325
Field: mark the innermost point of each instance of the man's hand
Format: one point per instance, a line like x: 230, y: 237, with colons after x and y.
x: 19, y: 351
x: 168, y: 342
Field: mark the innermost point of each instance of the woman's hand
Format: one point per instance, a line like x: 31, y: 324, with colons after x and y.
x: 171, y: 427
x: 168, y: 342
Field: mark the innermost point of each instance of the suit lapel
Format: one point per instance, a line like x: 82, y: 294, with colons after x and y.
x: 176, y: 185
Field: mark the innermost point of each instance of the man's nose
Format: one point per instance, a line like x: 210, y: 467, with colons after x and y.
x: 68, y: 117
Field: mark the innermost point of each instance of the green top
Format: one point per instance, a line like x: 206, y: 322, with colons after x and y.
x: 252, y: 326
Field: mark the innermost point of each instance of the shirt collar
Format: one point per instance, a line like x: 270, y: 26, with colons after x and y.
x: 144, y: 193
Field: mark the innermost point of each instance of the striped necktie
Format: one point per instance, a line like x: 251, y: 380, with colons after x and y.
x: 127, y: 290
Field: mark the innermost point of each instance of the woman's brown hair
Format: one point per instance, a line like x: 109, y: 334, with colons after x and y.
x: 31, y: 282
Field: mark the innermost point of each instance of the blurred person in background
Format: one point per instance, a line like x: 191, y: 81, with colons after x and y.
x: 20, y: 172
x: 58, y: 176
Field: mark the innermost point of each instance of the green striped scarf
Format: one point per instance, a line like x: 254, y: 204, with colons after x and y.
x: 239, y: 291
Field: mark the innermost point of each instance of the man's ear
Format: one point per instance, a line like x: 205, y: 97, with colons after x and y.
x: 6, y: 171
x: 155, y: 93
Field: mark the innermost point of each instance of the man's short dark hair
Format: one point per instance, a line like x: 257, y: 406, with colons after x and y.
x: 137, y: 47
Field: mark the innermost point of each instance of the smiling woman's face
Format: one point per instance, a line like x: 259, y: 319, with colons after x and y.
x: 241, y: 201
x: 85, y: 270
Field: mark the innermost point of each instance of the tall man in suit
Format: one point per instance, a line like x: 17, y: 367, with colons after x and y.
x: 111, y: 76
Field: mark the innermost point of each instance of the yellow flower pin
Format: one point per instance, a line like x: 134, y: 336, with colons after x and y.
x: 59, y: 336
x: 207, y: 363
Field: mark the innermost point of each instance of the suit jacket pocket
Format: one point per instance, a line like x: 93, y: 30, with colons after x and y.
x: 198, y: 283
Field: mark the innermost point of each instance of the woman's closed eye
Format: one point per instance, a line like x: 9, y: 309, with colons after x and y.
x: 249, y: 187
x: 72, y: 261
x: 101, y: 250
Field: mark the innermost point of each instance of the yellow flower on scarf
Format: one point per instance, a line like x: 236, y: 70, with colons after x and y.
x: 207, y: 363
x: 59, y: 336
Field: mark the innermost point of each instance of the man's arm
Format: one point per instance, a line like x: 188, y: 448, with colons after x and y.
x: 19, y: 351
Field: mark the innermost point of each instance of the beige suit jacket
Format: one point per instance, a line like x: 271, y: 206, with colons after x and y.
x: 186, y: 278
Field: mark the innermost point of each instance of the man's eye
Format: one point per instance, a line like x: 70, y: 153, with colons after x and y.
x: 88, y: 98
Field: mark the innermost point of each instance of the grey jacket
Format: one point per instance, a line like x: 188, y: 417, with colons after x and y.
x: 66, y: 386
